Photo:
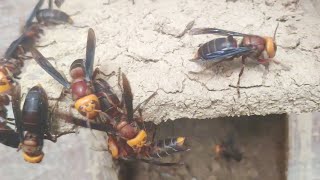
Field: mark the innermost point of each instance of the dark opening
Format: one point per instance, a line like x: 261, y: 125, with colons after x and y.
x: 261, y: 139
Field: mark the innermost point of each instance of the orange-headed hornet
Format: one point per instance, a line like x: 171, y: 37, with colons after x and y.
x: 263, y: 49
x: 119, y: 149
x: 81, y: 72
x: 121, y: 113
x: 227, y: 149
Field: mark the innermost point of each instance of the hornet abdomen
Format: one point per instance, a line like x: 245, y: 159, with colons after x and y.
x: 53, y: 16
x: 108, y: 99
x: 166, y: 147
x: 35, y: 110
x: 34, y: 120
x: 215, y: 48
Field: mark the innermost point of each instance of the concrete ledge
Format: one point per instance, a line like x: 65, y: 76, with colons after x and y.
x: 147, y: 41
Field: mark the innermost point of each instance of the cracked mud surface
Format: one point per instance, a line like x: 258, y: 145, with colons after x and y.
x: 151, y: 44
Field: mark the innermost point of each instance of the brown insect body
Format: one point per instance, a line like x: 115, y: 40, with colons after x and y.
x: 79, y: 86
x: 126, y: 130
x: 226, y: 48
x: 215, y: 45
x: 262, y: 49
x: 110, y: 104
x: 35, y: 125
x: 77, y: 69
x: 79, y: 89
x: 255, y: 43
x: 34, y: 116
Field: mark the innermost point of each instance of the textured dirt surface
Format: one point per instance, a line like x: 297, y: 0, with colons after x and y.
x: 147, y: 41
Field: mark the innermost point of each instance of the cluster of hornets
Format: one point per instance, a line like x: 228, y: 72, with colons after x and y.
x: 94, y: 98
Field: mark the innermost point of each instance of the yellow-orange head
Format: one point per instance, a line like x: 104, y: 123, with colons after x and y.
x: 88, y: 106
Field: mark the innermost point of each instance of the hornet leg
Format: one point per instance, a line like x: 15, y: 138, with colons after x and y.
x: 240, y: 74
x: 54, y: 137
x: 97, y: 71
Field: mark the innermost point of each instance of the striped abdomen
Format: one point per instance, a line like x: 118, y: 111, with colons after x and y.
x: 77, y: 70
x: 215, y: 45
x: 109, y: 101
x: 166, y: 147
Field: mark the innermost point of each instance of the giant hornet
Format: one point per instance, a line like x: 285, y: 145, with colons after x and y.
x: 263, y: 49
x: 94, y: 95
x: 32, y: 124
x: 83, y: 77
x: 121, y: 113
x: 130, y: 141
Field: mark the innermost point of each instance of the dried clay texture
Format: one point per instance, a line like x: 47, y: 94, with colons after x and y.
x: 151, y: 44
